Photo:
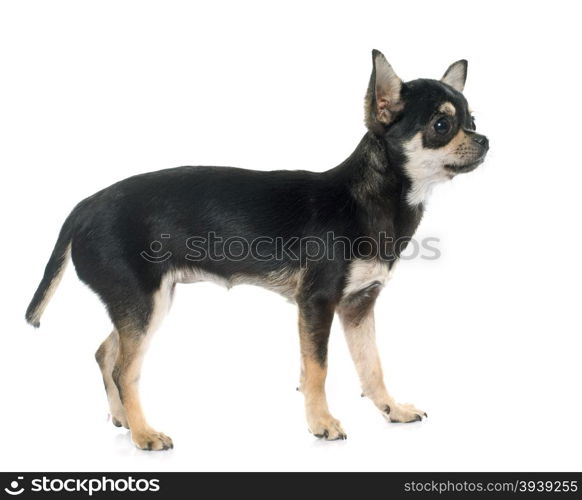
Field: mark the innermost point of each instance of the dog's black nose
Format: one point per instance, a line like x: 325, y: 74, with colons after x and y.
x: 481, y: 140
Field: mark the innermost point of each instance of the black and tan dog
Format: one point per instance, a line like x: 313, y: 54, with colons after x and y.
x: 419, y: 133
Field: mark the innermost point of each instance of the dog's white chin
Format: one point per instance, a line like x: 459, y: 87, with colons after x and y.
x: 454, y: 170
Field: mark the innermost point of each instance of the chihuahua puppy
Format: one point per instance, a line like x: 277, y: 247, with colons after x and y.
x: 419, y: 133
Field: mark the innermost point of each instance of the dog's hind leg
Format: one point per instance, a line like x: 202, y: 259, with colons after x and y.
x: 356, y: 313
x: 134, y: 337
x: 106, y: 356
x: 315, y: 318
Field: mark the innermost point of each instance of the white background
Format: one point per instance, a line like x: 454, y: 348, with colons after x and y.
x: 486, y: 339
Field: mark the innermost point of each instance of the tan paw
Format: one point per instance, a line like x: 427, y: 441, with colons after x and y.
x: 120, y: 421
x: 117, y: 412
x: 403, y: 413
x: 326, y: 427
x: 151, y: 440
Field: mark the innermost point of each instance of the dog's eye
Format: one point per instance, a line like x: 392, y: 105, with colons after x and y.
x: 442, y: 126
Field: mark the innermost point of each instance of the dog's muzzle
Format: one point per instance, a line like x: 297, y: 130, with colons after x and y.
x: 481, y: 144
x: 482, y: 141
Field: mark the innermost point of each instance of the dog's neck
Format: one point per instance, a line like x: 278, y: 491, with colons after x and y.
x: 376, y: 180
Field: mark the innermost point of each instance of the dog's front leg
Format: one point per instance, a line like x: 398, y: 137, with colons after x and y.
x: 315, y: 318
x: 356, y: 313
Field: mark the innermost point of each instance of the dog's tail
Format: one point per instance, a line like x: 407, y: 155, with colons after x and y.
x: 53, y: 273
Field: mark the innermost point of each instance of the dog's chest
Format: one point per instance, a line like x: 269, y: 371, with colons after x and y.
x: 363, y: 273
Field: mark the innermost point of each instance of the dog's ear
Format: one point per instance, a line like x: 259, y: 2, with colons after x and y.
x: 456, y: 75
x: 383, y: 96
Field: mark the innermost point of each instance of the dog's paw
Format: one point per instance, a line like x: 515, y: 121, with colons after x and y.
x: 151, y: 440
x: 403, y: 413
x: 326, y: 427
x: 119, y: 421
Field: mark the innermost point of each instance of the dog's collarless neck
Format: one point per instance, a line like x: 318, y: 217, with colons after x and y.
x: 379, y: 186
